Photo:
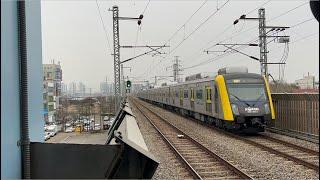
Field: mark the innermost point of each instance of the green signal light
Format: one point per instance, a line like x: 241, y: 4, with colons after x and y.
x: 128, y: 84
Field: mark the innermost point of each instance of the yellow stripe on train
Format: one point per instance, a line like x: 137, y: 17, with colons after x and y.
x: 273, y: 116
x: 224, y: 97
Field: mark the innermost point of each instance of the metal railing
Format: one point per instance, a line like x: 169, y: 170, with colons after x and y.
x: 297, y: 113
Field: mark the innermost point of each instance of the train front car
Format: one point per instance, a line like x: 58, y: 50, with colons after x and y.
x: 250, y: 101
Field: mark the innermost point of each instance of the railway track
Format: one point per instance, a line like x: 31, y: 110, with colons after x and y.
x: 201, y: 162
x: 307, y: 137
x: 300, y: 155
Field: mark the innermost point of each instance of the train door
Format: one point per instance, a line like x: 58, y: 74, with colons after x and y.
x: 181, y: 97
x: 192, y: 98
x: 216, y: 101
x: 208, y: 99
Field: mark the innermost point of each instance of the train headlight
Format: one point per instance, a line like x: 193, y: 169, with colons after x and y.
x: 235, y: 109
x: 266, y: 108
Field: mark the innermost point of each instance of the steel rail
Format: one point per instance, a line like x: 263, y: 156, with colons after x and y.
x: 214, y: 155
x: 291, y: 145
x: 298, y: 135
x: 261, y: 146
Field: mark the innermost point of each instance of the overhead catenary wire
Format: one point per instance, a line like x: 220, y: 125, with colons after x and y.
x: 171, y: 37
x: 266, y: 2
x: 273, y: 18
x: 104, y: 27
x: 219, y: 56
x: 139, y: 28
x: 197, y: 28
x: 294, y: 26
x: 224, y: 30
x: 182, y: 26
x: 286, y: 12
x: 304, y: 37
x: 227, y: 28
x: 285, y: 54
x: 282, y: 14
x: 223, y: 55
x: 253, y: 27
x: 146, y: 7
x: 298, y: 24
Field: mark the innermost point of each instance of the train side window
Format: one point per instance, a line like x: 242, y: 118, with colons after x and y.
x: 208, y: 94
x: 199, y: 94
x: 185, y: 94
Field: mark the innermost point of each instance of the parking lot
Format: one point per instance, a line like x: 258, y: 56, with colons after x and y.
x: 79, y: 138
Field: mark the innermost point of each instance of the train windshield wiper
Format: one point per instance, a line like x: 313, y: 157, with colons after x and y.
x: 239, y: 99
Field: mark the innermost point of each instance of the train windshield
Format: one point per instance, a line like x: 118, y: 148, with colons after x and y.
x: 247, y: 92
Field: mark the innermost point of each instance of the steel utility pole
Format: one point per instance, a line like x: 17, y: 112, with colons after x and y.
x: 263, y: 39
x: 122, y: 80
x: 263, y: 43
x: 116, y: 52
x: 116, y: 56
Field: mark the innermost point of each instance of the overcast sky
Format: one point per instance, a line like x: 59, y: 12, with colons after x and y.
x: 72, y: 33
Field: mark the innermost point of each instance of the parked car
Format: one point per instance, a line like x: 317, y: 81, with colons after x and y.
x: 97, y: 127
x: 52, y: 130
x: 46, y: 136
x: 69, y: 130
x: 110, y: 122
x: 52, y: 134
x: 86, y: 121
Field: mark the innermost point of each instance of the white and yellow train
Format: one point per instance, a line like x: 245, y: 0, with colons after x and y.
x: 234, y: 99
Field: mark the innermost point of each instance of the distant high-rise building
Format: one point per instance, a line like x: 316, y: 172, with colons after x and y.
x: 72, y: 88
x: 104, y: 88
x: 64, y: 89
x: 52, y: 77
x: 81, y: 89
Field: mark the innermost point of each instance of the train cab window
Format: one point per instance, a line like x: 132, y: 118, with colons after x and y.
x: 185, y: 94
x: 199, y: 94
x: 191, y: 94
x: 208, y: 94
